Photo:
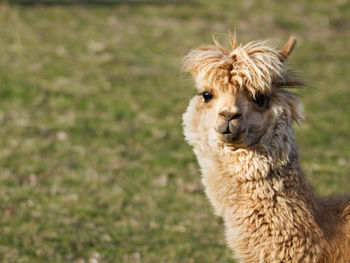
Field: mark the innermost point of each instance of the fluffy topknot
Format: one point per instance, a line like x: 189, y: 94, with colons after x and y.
x: 255, y: 66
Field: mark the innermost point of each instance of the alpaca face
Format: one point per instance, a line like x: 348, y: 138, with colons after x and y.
x: 240, y: 99
x: 229, y: 116
x: 240, y: 119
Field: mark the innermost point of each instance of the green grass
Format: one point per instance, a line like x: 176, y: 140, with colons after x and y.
x: 93, y: 165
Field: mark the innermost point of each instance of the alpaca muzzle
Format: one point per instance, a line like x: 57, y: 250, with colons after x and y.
x: 229, y: 130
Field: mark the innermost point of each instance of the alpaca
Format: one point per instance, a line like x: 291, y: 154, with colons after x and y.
x: 240, y: 127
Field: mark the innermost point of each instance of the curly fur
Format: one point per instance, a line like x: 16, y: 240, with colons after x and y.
x: 255, y: 183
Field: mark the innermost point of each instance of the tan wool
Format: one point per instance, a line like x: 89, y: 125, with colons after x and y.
x: 240, y: 127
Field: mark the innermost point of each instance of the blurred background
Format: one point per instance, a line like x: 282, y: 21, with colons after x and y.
x: 93, y: 164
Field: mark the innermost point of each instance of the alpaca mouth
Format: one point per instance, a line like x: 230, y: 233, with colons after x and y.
x: 229, y: 132
x: 229, y: 137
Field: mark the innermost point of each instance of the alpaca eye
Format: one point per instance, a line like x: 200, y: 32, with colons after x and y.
x: 261, y: 99
x: 207, y: 96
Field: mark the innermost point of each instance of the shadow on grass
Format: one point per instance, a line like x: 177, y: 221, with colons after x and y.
x: 30, y: 3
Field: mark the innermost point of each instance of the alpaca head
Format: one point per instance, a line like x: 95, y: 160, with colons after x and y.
x: 241, y: 98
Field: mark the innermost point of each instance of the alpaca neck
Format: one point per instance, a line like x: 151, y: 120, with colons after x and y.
x: 256, y: 173
x: 249, y: 174
x: 261, y: 193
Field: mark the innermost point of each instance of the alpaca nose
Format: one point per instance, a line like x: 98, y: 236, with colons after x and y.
x: 231, y: 114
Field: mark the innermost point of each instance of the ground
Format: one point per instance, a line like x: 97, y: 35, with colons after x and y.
x: 93, y: 165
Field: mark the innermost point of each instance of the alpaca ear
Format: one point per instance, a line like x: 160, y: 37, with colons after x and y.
x: 287, y: 48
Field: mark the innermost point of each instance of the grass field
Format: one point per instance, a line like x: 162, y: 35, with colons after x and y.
x: 93, y: 165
